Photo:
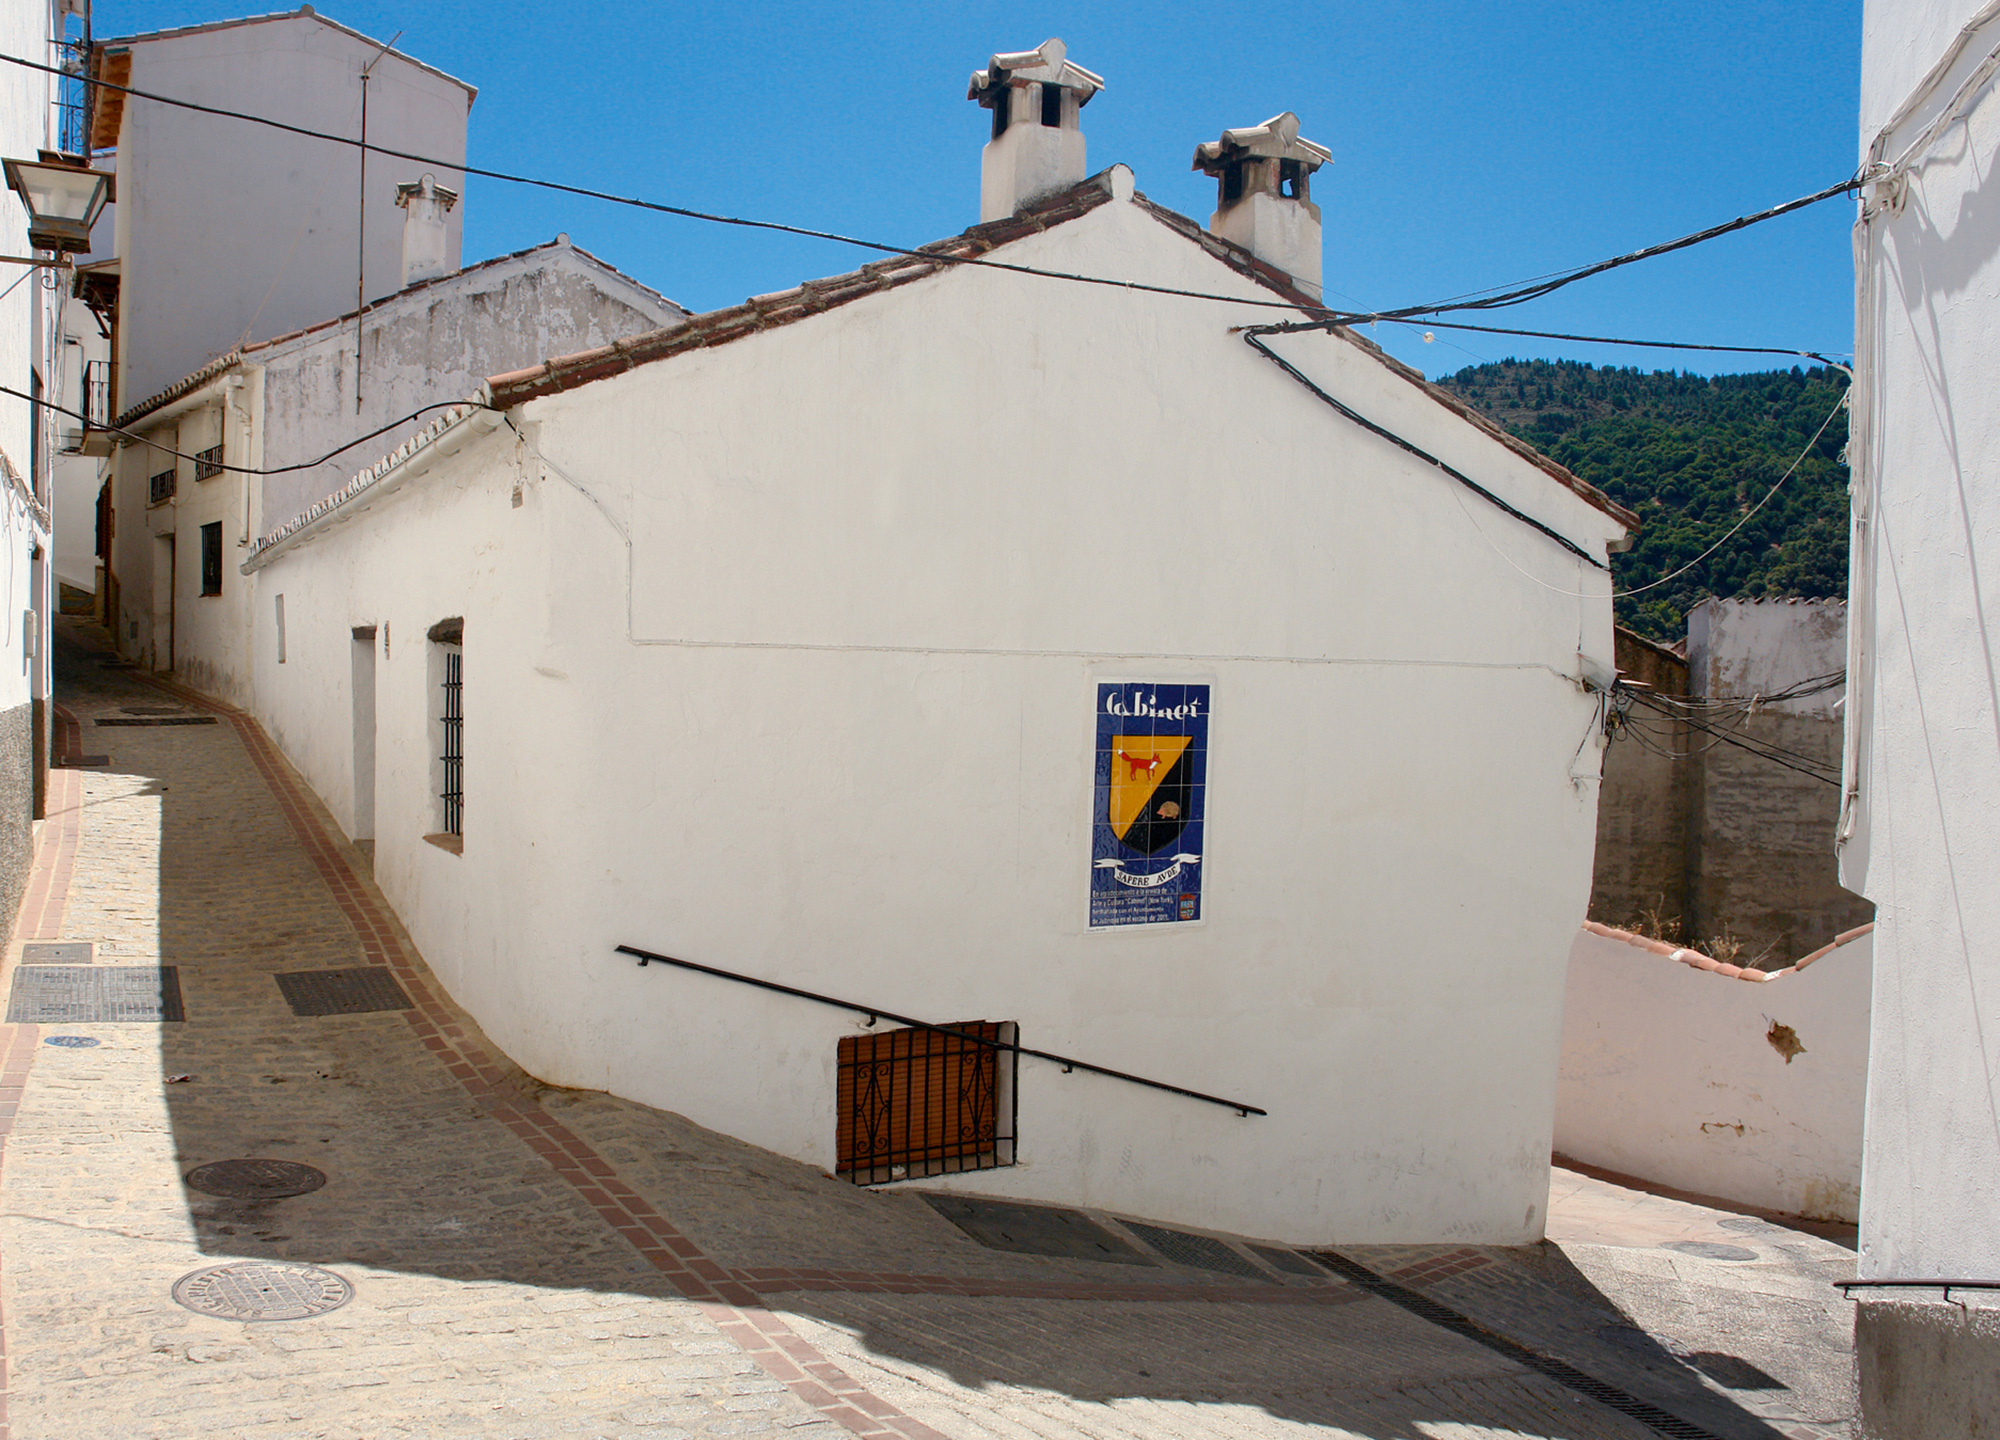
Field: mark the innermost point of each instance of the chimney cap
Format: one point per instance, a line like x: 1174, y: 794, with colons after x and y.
x: 1276, y: 139
x: 410, y: 190
x: 1047, y: 65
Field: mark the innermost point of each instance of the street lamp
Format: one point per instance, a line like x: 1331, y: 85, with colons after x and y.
x: 64, y: 197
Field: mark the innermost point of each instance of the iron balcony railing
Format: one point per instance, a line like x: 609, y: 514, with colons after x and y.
x: 876, y: 1012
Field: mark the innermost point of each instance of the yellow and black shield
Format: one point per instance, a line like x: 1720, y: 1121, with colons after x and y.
x: 1149, y: 795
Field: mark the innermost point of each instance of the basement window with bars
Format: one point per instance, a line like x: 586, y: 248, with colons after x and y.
x: 447, y: 689
x: 917, y: 1102
x: 208, y: 463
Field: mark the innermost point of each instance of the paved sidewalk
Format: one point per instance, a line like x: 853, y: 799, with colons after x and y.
x: 534, y: 1262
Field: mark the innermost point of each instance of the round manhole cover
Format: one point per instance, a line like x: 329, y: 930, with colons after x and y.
x: 1747, y: 1224
x: 71, y: 1042
x: 255, y: 1179
x: 1709, y: 1250
x: 262, y: 1290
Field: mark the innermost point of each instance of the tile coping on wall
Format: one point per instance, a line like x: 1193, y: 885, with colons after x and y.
x: 1699, y: 961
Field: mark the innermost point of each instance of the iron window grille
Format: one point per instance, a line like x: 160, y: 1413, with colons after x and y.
x: 211, y: 558
x: 453, y: 792
x: 160, y: 488
x: 208, y: 463
x: 917, y: 1102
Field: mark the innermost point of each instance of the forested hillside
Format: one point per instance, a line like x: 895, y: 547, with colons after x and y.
x: 1691, y: 455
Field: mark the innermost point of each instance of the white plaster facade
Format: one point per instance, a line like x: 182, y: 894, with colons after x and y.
x: 1749, y: 649
x: 28, y: 361
x: 228, y: 232
x: 1739, y: 1084
x: 779, y: 657
x: 76, y: 477
x: 279, y: 403
x: 1919, y: 837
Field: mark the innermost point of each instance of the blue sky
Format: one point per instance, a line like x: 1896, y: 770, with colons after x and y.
x: 1474, y: 143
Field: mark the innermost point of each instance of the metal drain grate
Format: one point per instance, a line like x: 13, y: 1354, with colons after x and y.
x: 154, y: 720
x: 1198, y: 1251
x: 56, y: 952
x: 255, y: 1179
x: 1423, y: 1307
x: 1287, y: 1262
x: 94, y: 995
x: 262, y: 1290
x: 343, y: 992
x: 1035, y: 1230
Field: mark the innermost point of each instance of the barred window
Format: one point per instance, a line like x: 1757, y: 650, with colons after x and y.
x: 447, y: 730
x: 211, y: 559
x: 160, y: 488
x: 923, y: 1102
x: 208, y: 463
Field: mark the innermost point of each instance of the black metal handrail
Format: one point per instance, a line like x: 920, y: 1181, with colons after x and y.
x: 1845, y: 1285
x: 876, y: 1012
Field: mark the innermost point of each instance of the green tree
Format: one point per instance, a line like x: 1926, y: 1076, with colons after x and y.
x: 1692, y: 455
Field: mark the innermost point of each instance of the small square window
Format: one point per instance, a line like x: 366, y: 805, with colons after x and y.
x: 211, y: 559
x: 160, y: 488
x: 208, y: 463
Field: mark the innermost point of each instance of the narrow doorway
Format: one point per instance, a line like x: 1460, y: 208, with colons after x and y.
x: 363, y: 665
x: 163, y: 602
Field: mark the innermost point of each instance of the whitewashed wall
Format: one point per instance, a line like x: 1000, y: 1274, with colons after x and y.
x: 433, y: 343
x: 228, y: 231
x: 1741, y: 649
x: 1922, y: 841
x: 26, y: 123
x: 1670, y: 1073
x: 290, y: 400
x: 828, y: 720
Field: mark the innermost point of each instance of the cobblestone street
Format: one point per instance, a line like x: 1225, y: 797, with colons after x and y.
x: 534, y: 1262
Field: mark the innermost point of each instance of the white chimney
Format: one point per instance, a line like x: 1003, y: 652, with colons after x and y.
x: 1037, y: 145
x: 1263, y: 201
x: 426, y: 246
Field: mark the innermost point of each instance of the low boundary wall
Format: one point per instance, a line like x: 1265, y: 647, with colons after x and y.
x: 1742, y: 1084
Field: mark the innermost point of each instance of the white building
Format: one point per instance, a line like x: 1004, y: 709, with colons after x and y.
x: 229, y: 232
x: 864, y: 639
x: 1919, y: 836
x: 186, y: 518
x: 28, y: 365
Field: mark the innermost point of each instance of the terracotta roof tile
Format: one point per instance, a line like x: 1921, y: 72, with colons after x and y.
x: 215, y: 367
x: 1699, y: 961
x: 814, y: 297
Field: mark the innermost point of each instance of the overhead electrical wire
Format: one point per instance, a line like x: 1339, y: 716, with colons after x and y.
x: 1331, y: 318
x: 1563, y: 278
x: 1614, y: 340
x: 1253, y: 337
x: 139, y: 439
x: 1743, y: 744
x: 1814, y: 685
